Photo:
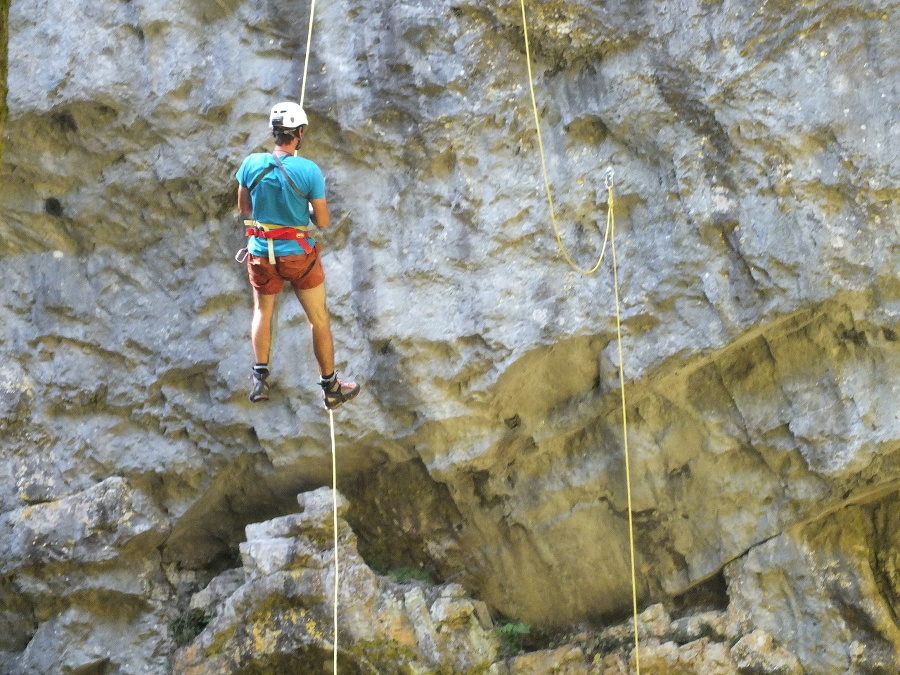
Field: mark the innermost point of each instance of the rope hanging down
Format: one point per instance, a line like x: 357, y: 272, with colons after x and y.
x: 609, y: 236
x: 537, y: 122
x: 334, y: 492
x: 309, y: 33
x: 335, y: 524
x: 312, y: 13
x: 627, y: 454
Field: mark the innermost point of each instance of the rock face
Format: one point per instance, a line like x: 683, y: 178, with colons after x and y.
x: 281, y: 618
x: 758, y: 259
x: 843, y: 583
x: 276, y: 614
x: 80, y: 582
x: 4, y: 67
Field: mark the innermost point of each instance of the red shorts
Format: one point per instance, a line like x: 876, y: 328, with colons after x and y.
x: 302, y: 271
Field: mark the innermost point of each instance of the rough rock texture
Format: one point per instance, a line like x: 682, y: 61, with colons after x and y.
x: 4, y: 66
x: 281, y: 617
x: 707, y: 643
x: 80, y: 588
x: 758, y: 249
x: 275, y: 614
x: 832, y: 586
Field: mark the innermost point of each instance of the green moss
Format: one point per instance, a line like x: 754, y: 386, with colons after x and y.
x: 400, y: 574
x: 403, y: 575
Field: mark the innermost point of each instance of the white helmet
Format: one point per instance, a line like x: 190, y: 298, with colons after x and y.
x: 287, y: 115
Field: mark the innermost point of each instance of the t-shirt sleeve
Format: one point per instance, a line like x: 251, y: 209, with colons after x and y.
x: 317, y: 184
x: 241, y: 175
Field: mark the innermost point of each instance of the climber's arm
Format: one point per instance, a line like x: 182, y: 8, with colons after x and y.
x: 245, y: 203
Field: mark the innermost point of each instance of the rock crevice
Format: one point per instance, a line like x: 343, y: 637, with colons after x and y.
x: 757, y: 252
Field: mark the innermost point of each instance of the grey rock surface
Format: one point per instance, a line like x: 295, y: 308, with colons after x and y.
x: 282, y: 617
x: 840, y: 611
x: 4, y: 66
x: 81, y: 583
x: 758, y: 259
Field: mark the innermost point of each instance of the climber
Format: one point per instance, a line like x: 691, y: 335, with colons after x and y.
x: 282, y: 193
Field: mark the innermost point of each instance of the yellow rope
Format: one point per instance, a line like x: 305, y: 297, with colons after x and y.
x: 615, y: 266
x: 537, y: 122
x: 609, y: 236
x: 334, y: 492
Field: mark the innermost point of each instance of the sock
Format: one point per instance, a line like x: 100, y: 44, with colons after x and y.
x: 328, y: 381
x: 261, y: 368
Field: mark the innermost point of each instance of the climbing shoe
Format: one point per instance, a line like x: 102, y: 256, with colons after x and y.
x: 336, y: 392
x: 260, y: 389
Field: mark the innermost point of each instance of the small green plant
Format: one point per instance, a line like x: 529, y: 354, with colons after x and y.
x: 512, y: 636
x: 189, y: 625
x: 402, y: 575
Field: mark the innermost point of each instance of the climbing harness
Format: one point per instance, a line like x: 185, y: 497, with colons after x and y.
x: 609, y: 236
x: 267, y: 231
x: 272, y: 232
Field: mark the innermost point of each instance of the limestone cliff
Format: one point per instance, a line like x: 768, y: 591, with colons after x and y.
x: 758, y: 248
x: 4, y: 65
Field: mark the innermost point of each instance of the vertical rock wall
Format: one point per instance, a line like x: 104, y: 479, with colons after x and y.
x: 4, y: 65
x: 757, y: 238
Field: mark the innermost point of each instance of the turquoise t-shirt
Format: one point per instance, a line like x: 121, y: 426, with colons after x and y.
x: 275, y: 202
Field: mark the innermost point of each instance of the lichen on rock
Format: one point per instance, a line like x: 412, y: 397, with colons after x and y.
x: 281, y: 616
x: 756, y: 210
x: 4, y: 67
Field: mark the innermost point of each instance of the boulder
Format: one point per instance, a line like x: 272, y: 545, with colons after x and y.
x: 755, y: 290
x: 282, y: 616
